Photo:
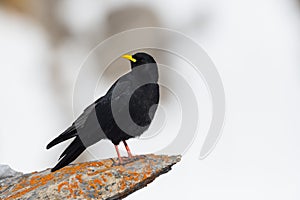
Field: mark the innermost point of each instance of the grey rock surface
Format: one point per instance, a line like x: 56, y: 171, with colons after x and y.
x: 6, y: 172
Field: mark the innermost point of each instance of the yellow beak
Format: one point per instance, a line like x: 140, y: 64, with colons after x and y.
x: 129, y: 57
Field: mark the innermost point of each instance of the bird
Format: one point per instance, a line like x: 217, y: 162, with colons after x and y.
x: 124, y: 112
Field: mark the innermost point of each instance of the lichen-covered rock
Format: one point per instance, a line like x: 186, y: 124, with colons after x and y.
x: 104, y: 179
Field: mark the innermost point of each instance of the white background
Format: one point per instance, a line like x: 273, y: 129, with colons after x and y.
x: 255, y: 47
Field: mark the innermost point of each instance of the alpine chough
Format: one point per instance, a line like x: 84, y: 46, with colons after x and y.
x: 124, y: 112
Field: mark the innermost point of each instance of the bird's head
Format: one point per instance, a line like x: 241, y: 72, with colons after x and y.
x: 139, y: 59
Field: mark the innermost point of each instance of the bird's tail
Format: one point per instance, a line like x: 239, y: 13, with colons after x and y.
x: 70, y: 154
x: 67, y: 134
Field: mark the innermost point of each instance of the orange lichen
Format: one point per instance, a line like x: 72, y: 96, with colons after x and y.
x: 91, y: 185
x: 20, y: 185
x: 98, y: 181
x: 133, y: 174
x: 136, y: 178
x: 123, y: 185
x: 96, y: 164
x: 74, y: 187
x: 79, y: 178
x: 61, y: 185
x: 94, y: 184
x: 103, y: 178
x: 121, y: 169
x: 71, y: 187
x: 145, y: 177
x: 109, y: 174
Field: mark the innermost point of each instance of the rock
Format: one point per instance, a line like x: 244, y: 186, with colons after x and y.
x: 104, y: 179
x: 6, y: 172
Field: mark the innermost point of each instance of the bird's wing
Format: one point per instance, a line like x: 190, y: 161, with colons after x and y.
x: 117, y: 96
x: 80, y: 121
x: 120, y: 95
x: 88, y: 126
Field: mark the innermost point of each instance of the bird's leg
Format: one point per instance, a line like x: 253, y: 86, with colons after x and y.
x: 119, y: 156
x: 127, y: 149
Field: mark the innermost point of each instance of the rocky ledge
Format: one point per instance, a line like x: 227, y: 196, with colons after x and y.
x: 104, y: 179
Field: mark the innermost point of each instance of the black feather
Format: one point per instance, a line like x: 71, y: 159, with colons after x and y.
x: 70, y: 154
x: 69, y: 133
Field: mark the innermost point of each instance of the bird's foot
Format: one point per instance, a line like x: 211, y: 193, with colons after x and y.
x: 126, y: 160
x: 120, y: 162
x: 130, y: 155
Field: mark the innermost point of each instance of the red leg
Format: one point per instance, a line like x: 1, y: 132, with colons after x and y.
x: 127, y: 149
x: 119, y: 156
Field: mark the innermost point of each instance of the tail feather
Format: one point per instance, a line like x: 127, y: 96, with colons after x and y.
x: 70, y: 154
x: 69, y: 133
x: 70, y: 148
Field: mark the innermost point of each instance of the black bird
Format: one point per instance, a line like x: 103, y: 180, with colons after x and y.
x: 124, y: 112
